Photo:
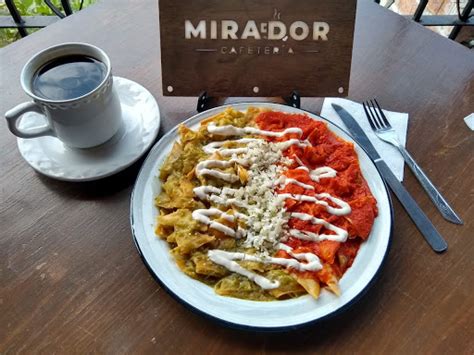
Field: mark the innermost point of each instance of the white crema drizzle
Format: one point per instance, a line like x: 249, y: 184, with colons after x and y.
x: 236, y: 131
x: 285, y: 180
x: 227, y: 259
x: 265, y: 216
x: 340, y: 236
x: 318, y: 173
x: 202, y: 215
x: 342, y: 209
x: 209, y: 167
x: 217, y: 146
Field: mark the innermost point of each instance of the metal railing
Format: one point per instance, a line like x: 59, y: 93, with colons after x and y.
x: 21, y: 23
x: 463, y: 18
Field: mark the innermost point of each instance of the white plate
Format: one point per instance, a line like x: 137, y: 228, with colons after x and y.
x: 141, y: 118
x: 276, y: 315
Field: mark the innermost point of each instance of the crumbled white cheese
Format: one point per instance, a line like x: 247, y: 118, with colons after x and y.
x: 267, y: 215
x: 263, y: 209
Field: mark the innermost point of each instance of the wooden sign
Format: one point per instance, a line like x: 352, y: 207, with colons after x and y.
x: 256, y: 47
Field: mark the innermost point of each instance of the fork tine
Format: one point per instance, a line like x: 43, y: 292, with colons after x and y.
x: 377, y: 123
x: 369, y: 116
x: 377, y: 115
x: 382, y: 114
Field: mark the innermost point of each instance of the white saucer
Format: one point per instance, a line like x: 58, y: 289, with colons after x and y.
x: 141, y: 122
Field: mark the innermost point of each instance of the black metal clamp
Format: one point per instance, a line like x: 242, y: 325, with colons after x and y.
x: 203, y: 103
x: 294, y: 100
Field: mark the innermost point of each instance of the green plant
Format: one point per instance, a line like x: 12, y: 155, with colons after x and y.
x: 32, y: 8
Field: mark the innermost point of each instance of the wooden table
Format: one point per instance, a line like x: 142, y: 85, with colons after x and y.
x: 72, y: 281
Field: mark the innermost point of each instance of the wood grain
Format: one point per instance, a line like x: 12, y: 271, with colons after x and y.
x: 71, y: 280
x: 314, y: 68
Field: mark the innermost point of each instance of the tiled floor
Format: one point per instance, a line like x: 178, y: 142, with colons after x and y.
x: 434, y: 7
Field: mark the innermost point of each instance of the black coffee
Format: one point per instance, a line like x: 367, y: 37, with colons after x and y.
x: 68, y: 77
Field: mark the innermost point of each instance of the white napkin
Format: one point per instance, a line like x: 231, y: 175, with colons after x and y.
x: 470, y: 121
x: 398, y: 120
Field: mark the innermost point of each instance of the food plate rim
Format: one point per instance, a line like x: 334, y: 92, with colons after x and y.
x: 223, y: 321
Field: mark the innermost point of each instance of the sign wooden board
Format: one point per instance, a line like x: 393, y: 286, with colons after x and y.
x: 256, y: 47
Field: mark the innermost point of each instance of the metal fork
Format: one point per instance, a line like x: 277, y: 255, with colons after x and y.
x: 385, y: 132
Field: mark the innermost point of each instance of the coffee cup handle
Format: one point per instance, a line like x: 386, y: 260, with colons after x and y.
x: 14, y: 115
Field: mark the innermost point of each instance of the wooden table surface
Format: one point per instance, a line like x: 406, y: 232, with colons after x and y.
x: 72, y: 281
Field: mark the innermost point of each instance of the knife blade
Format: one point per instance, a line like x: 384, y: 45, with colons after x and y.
x: 424, y: 225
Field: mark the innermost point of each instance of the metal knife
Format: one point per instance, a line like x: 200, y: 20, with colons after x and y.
x: 424, y: 225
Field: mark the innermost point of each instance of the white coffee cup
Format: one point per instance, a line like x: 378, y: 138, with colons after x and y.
x: 81, y: 122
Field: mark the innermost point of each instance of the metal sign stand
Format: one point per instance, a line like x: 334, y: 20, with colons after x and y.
x: 205, y: 102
